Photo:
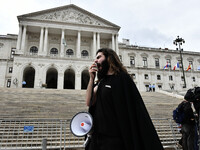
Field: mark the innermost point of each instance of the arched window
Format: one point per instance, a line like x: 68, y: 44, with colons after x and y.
x: 54, y: 51
x: 33, y: 50
x: 69, y: 52
x: 144, y: 62
x: 84, y: 53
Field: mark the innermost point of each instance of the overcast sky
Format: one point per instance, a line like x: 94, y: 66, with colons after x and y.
x: 150, y: 23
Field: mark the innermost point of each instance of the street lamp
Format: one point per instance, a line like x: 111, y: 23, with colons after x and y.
x: 179, y: 41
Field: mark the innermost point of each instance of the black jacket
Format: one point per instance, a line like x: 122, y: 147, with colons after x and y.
x: 135, y: 125
x: 189, y: 117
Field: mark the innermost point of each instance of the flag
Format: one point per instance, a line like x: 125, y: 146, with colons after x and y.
x: 198, y: 68
x: 166, y: 66
x: 176, y: 66
x: 189, y: 67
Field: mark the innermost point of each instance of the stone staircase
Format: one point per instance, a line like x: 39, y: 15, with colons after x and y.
x: 49, y: 111
x: 41, y: 103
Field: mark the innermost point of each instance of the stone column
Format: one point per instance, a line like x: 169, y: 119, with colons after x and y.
x: 78, y: 45
x: 41, y: 40
x: 116, y: 46
x: 37, y: 83
x: 98, y: 41
x: 78, y: 81
x: 94, y: 45
x: 45, y: 41
x: 19, y: 38
x: 62, y: 46
x: 60, y: 80
x: 113, y: 42
x: 23, y: 39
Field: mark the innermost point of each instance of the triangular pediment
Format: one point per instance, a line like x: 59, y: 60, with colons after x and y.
x: 68, y: 14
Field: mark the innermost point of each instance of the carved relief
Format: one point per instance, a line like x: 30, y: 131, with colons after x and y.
x: 71, y: 15
x: 84, y: 41
x: 54, y: 39
x: 70, y: 39
x: 33, y: 37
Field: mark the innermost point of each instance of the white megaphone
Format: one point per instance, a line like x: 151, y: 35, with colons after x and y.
x: 81, y: 124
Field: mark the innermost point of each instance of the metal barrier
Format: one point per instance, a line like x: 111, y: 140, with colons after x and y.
x: 168, y: 132
x: 45, y: 134
x: 29, y: 134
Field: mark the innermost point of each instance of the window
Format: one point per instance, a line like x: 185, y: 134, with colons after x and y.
x: 160, y: 86
x: 170, y: 78
x: 171, y: 87
x: 193, y: 79
x: 33, y: 50
x: 158, y: 77
x: 54, y: 51
x: 12, y: 53
x: 146, y: 76
x: 10, y: 69
x: 180, y: 64
x: 132, y: 61
x: 144, y: 62
x: 169, y: 62
x: 84, y: 53
x: 133, y: 76
x: 157, y: 62
x: 191, y: 64
x: 8, y: 82
x: 69, y: 52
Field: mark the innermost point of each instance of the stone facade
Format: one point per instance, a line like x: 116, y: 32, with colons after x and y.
x: 55, y: 47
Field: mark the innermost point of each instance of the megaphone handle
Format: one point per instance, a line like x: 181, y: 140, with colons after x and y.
x: 87, y: 140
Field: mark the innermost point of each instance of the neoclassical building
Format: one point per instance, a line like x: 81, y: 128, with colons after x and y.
x: 55, y: 47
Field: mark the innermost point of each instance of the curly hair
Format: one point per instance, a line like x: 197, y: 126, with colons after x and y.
x: 113, y: 60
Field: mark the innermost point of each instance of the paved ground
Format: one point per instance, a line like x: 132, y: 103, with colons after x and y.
x: 63, y: 104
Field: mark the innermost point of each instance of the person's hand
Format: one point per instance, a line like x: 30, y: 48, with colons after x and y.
x: 92, y: 71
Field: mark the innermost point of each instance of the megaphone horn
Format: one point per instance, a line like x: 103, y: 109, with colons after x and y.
x: 81, y: 124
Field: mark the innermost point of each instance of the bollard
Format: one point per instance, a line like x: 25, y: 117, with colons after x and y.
x: 44, y: 144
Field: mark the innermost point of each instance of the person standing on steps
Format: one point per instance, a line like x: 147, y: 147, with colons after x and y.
x: 121, y: 120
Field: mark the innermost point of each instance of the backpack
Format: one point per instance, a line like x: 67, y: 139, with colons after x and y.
x: 178, y: 114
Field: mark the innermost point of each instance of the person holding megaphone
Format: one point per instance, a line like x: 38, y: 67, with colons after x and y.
x: 120, y: 118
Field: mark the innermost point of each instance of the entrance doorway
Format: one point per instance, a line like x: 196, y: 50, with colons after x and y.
x: 84, y: 79
x: 52, y: 78
x: 69, y: 79
x: 28, y: 77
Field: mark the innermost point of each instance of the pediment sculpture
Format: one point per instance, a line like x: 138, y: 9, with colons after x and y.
x: 72, y: 16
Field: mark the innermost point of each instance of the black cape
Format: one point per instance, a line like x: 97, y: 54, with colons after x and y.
x: 135, y: 125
